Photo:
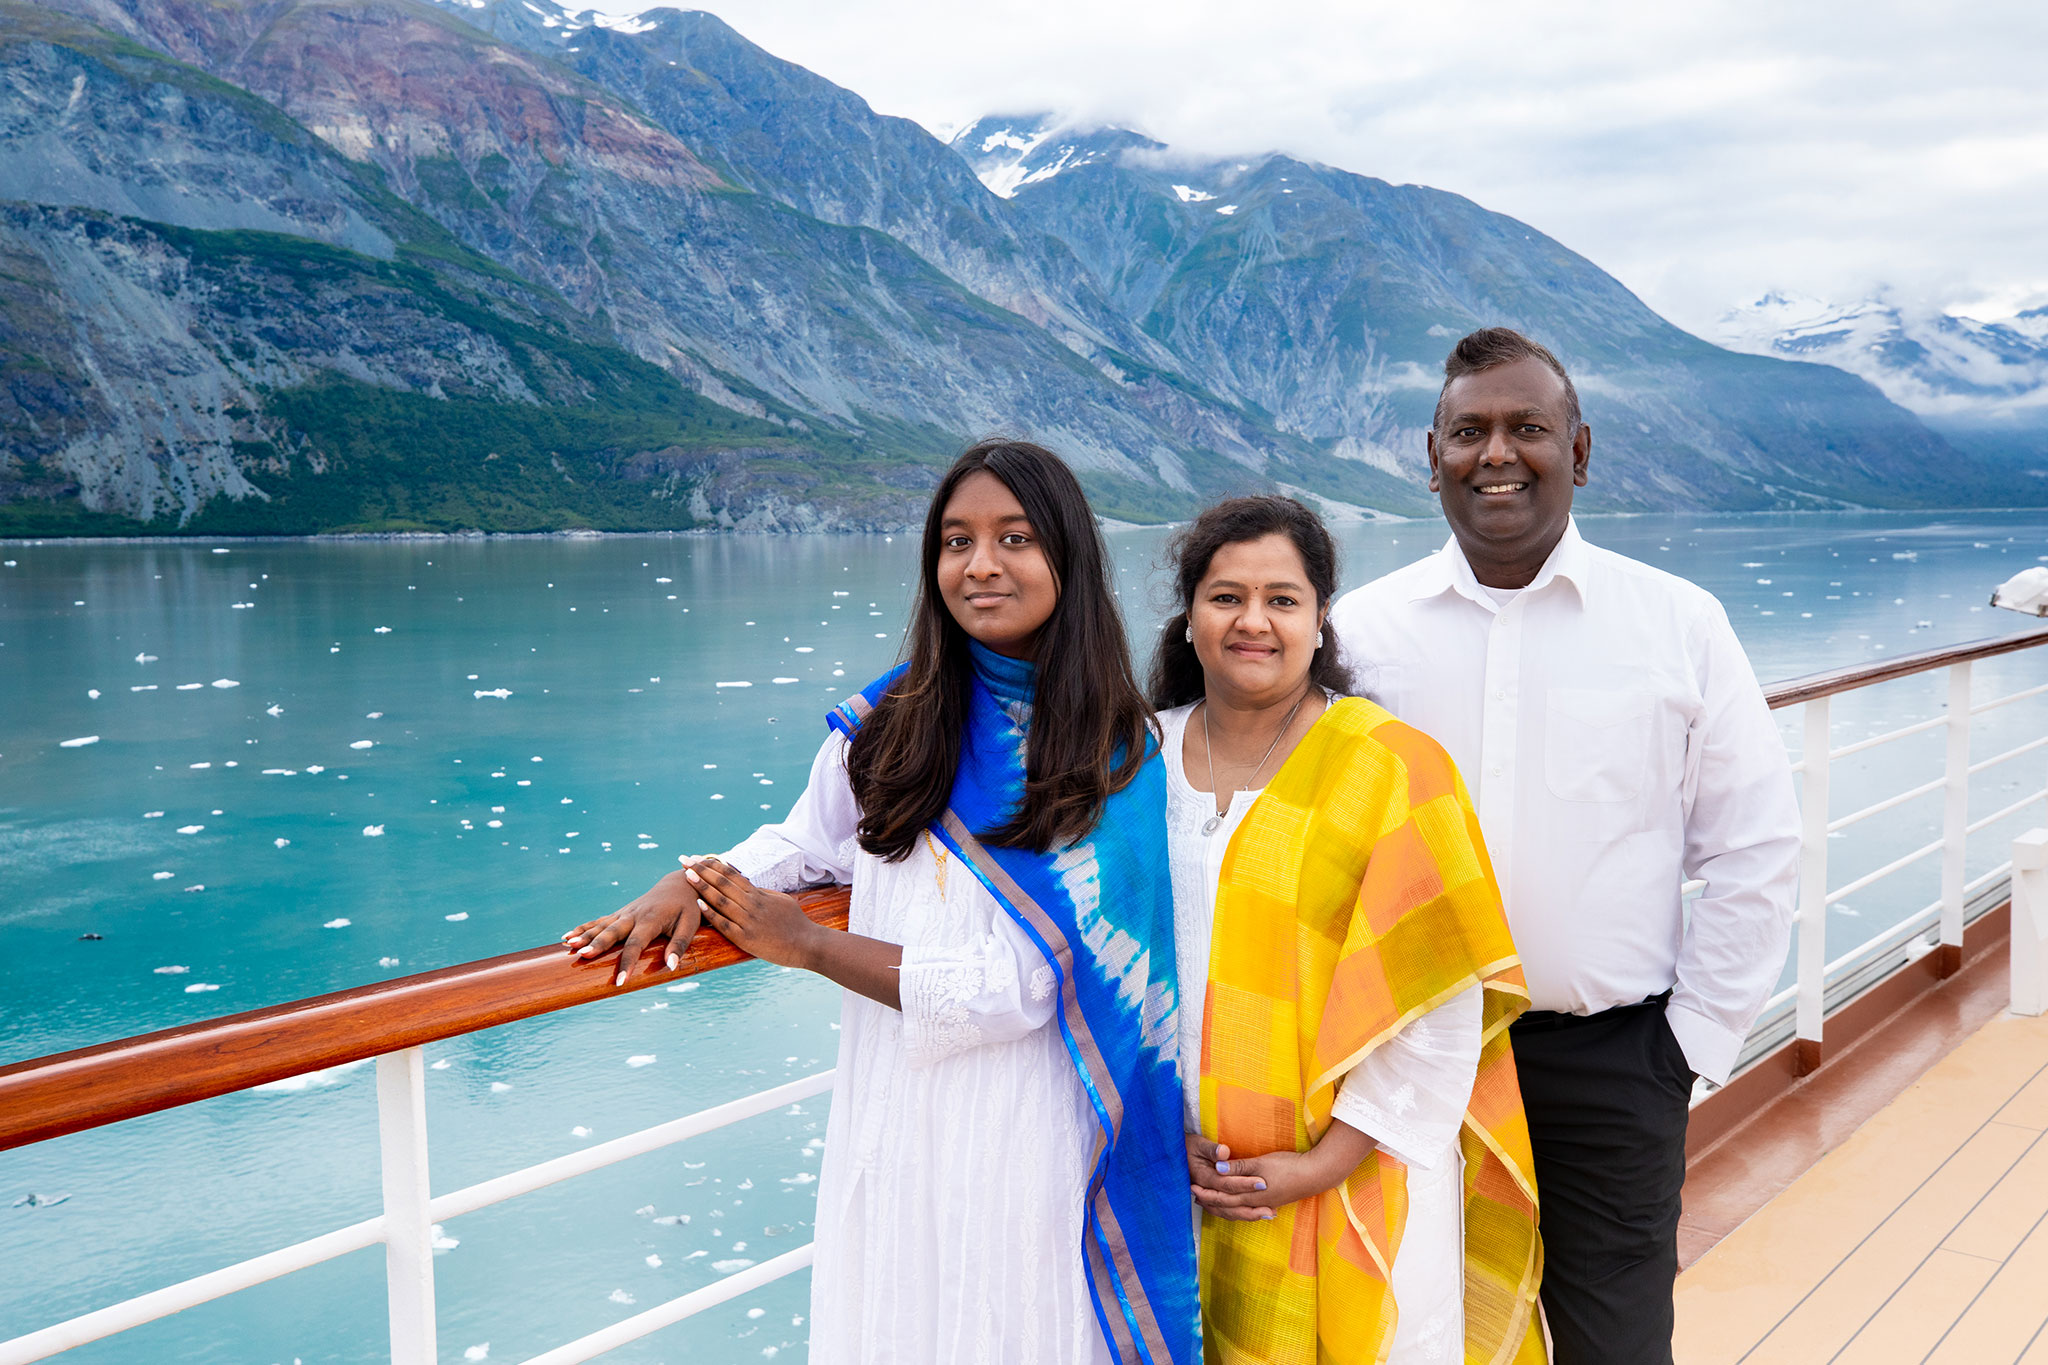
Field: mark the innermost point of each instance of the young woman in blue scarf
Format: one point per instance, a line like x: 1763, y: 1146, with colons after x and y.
x: 1001, y: 1180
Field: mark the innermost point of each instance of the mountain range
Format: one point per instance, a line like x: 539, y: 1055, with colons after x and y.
x: 282, y: 266
x: 1982, y: 385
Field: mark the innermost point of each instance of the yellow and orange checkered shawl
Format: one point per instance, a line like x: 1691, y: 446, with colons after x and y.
x: 1356, y: 896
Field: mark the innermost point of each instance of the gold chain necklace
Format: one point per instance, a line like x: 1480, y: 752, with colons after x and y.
x: 939, y: 859
x: 1209, y: 825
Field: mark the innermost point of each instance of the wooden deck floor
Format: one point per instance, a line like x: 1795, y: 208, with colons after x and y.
x: 1923, y: 1238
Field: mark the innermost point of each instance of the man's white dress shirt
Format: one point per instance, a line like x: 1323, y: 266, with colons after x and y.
x: 1617, y: 745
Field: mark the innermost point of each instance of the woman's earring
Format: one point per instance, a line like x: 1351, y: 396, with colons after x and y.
x: 1189, y: 633
x: 1319, y: 639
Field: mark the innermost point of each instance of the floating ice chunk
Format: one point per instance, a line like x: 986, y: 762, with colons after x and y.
x: 78, y: 743
x: 197, y: 766
x: 273, y: 710
x: 718, y: 796
x: 39, y: 1201
x: 441, y: 1065
x: 728, y: 1267
x: 162, y: 876
x: 800, y: 1178
x: 282, y: 843
x: 170, y: 971
x: 735, y: 684
x: 458, y: 917
x: 653, y: 1262
x: 225, y: 683
x: 198, y: 986
x: 93, y: 692
x: 644, y: 1059
x: 480, y: 1351
x: 442, y: 1241
x: 152, y: 815
x: 650, y: 844
x: 335, y: 924
x: 658, y: 580
x: 1227, y: 209
x: 805, y: 649
x: 190, y: 687
x: 373, y: 831
x: 219, y: 551
x: 681, y: 986
x: 783, y: 680
x: 499, y: 1087
x: 494, y: 824
x: 383, y: 630
x: 312, y: 1080
x: 315, y: 768
x: 190, y: 829
x: 145, y: 687
x: 280, y: 772
x: 387, y: 962
x: 756, y: 1312
x: 620, y: 1296
x: 499, y: 692
x: 362, y: 744
x: 579, y: 1131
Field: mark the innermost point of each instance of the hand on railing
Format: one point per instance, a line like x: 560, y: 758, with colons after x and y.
x: 771, y: 925
x: 667, y: 910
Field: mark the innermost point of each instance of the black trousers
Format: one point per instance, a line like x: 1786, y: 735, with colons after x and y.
x: 1607, y: 1096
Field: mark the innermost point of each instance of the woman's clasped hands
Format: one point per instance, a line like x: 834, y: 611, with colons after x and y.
x: 1248, y: 1189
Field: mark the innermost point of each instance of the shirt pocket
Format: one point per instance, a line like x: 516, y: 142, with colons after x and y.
x: 1596, y: 744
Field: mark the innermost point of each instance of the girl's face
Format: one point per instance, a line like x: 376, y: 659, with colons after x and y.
x: 1255, y: 620
x: 992, y: 573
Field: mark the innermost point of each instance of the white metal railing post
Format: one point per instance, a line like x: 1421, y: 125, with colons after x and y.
x: 1955, y: 829
x: 408, y: 1221
x: 2030, y: 923
x: 1813, y: 887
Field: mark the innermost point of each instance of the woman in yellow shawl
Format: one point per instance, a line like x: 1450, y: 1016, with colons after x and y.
x: 1357, y: 1147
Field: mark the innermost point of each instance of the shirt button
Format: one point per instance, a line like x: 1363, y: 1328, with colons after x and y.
x: 1496, y: 770
x: 1500, y: 694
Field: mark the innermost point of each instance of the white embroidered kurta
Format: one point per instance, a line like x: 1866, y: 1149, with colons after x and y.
x: 956, y: 1155
x: 1409, y: 1095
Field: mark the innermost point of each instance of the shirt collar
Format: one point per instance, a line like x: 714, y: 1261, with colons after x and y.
x: 1448, y: 570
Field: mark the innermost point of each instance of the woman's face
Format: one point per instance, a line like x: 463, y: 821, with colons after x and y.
x: 1255, y: 620
x: 992, y: 574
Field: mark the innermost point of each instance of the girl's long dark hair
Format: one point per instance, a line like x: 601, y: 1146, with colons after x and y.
x: 1089, y: 722
x: 1176, y: 672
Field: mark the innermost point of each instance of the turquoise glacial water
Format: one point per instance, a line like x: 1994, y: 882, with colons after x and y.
x: 316, y: 765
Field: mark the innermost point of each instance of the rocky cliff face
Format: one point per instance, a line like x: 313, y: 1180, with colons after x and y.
x: 298, y: 264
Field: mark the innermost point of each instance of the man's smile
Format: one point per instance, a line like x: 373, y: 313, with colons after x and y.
x: 1499, y: 490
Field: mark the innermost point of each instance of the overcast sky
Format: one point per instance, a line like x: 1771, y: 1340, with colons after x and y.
x: 1702, y: 152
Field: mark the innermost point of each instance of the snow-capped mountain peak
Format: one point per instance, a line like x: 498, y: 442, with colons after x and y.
x: 1937, y: 364
x: 1010, y: 151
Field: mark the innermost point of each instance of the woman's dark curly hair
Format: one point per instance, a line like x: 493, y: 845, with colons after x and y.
x: 1176, y: 672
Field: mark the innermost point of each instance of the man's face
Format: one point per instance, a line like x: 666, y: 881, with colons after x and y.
x: 1505, y: 461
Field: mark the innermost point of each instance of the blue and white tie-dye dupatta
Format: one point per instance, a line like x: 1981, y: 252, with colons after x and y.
x: 1101, y: 911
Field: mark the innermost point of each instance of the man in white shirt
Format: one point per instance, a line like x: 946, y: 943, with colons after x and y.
x: 1614, y: 736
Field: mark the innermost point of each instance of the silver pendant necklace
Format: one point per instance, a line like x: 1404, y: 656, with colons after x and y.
x: 1209, y: 826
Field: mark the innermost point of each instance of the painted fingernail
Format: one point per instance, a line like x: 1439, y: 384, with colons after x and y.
x: 619, y: 980
x: 1223, y: 1168
x: 1269, y: 1217
x: 674, y: 962
x: 1259, y: 1185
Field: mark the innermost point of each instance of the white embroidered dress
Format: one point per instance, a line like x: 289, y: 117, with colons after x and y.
x: 1409, y: 1094
x: 956, y: 1155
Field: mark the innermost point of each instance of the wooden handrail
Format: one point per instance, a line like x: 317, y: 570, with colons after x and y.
x: 1814, y: 686
x: 47, y: 1097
